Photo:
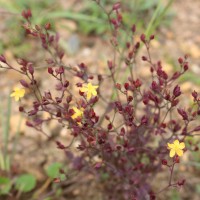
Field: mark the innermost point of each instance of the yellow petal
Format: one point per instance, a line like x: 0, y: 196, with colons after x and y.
x: 182, y: 145
x: 83, y: 89
x: 16, y: 98
x: 179, y: 152
x: 94, y: 92
x: 95, y: 86
x: 21, y: 93
x: 12, y: 94
x: 75, y: 109
x: 176, y: 142
x: 170, y: 146
x: 89, y: 95
x: 172, y: 153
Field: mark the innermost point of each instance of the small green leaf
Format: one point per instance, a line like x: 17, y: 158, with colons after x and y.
x: 53, y: 170
x: 5, y: 185
x: 104, y: 176
x: 25, y: 182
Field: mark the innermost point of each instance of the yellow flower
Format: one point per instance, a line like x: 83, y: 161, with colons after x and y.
x: 90, y: 90
x: 77, y: 113
x: 18, y: 93
x: 176, y: 148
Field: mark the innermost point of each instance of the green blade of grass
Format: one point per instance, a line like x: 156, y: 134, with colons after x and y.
x: 16, y: 138
x: 5, y: 121
x: 74, y: 16
x: 2, y: 163
x: 7, y: 124
x: 162, y: 14
x: 157, y: 16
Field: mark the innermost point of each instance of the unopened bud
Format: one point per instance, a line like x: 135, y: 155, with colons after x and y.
x: 30, y: 68
x: 143, y: 38
x: 164, y: 162
x: 152, y: 37
x: 180, y: 60
x: 50, y: 70
x: 47, y: 26
x: 2, y: 59
x: 24, y: 83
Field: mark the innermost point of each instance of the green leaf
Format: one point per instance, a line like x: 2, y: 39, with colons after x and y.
x: 53, y: 170
x: 25, y: 182
x: 105, y: 176
x: 5, y: 185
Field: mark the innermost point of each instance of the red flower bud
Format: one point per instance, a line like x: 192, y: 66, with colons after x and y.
x: 180, y: 60
x: 177, y: 91
x: 144, y: 58
x: 47, y: 26
x: 175, y: 102
x: 181, y: 182
x: 29, y: 124
x: 2, y: 59
x: 109, y: 126
x: 176, y: 75
x: 50, y: 70
x: 30, y: 68
x: 176, y: 159
x: 133, y: 28
x: 137, y: 45
x: 164, y: 162
x: 27, y: 14
x: 130, y: 98
x: 152, y: 37
x: 98, y: 165
x: 128, y: 45
x: 60, y: 145
x: 116, y: 6
x: 122, y: 131
x: 138, y: 83
x: 21, y: 109
x: 183, y: 114
x: 24, y: 83
x: 66, y: 83
x: 194, y: 94
x: 126, y: 86
x: 143, y: 38
x: 154, y: 86
x: 185, y: 67
x: 110, y: 64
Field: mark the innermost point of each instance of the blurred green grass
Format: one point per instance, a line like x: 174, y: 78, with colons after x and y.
x: 90, y: 19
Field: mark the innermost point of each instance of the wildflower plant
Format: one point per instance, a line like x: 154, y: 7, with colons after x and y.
x: 142, y: 128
